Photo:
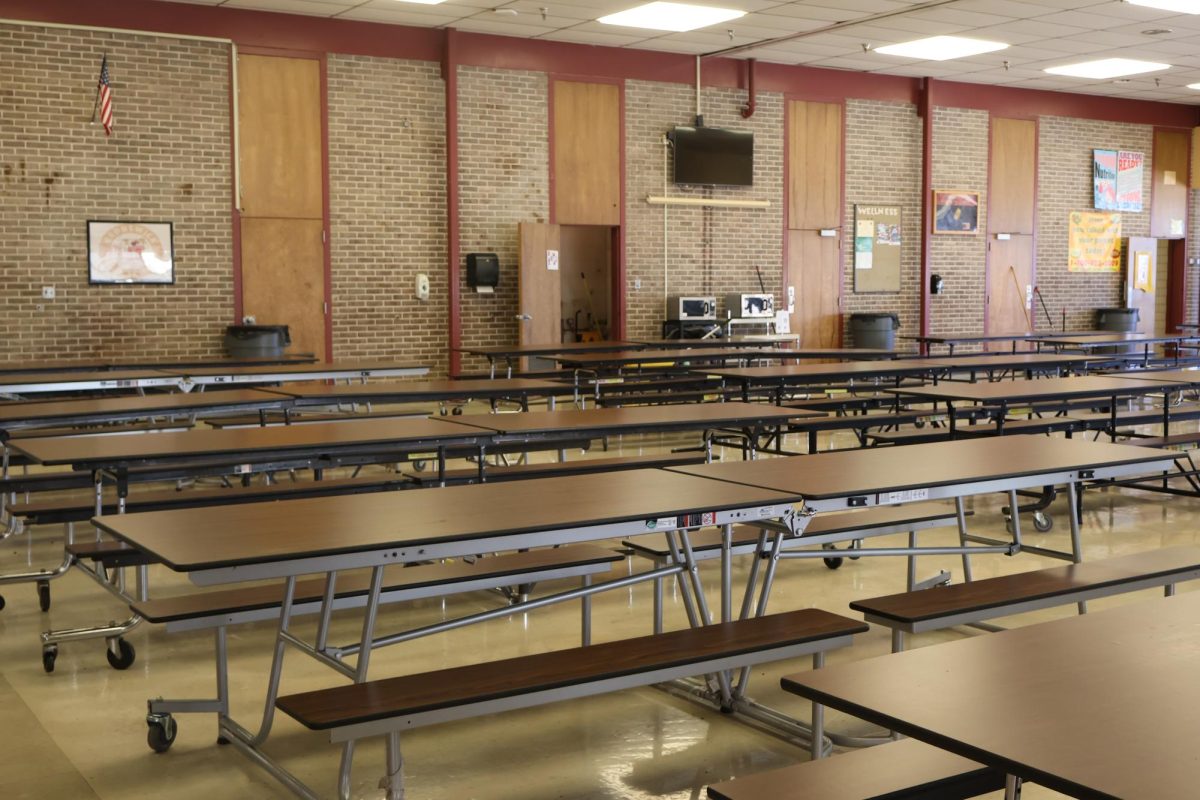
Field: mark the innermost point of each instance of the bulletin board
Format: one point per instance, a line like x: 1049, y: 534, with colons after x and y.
x: 876, y: 248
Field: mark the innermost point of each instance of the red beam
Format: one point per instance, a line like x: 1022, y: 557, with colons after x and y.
x: 925, y: 110
x: 453, y: 252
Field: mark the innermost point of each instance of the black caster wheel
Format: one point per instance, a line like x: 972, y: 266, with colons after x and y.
x: 832, y: 563
x: 1, y: 602
x: 419, y: 465
x: 43, y: 590
x: 49, y: 656
x: 919, y: 424
x: 456, y: 411
x: 123, y: 658
x: 1042, y: 522
x: 160, y: 732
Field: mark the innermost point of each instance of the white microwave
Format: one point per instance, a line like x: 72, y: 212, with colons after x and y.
x: 750, y: 306
x: 683, y: 307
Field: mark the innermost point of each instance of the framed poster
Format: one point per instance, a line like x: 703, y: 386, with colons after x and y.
x: 130, y: 252
x: 1117, y: 180
x: 955, y: 211
x: 877, y: 236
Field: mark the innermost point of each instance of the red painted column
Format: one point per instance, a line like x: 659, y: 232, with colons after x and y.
x: 925, y: 110
x: 453, y: 254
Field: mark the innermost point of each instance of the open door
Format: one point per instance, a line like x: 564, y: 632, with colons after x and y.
x: 539, y: 285
x: 1010, y: 286
x: 1141, y: 276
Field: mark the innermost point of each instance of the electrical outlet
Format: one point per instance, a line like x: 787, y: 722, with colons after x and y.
x: 47, y: 292
x: 637, y: 283
x: 422, y: 287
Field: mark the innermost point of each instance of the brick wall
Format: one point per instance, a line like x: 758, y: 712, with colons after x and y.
x: 883, y: 166
x: 709, y: 250
x: 503, y: 180
x: 960, y: 148
x: 168, y: 159
x: 387, y: 180
x: 1064, y: 185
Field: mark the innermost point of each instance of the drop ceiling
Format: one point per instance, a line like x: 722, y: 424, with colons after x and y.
x: 1042, y: 33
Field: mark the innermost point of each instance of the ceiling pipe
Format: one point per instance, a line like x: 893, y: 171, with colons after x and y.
x: 836, y: 26
x: 750, y: 106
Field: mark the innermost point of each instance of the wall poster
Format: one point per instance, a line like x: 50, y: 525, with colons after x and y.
x: 877, y: 239
x: 955, y: 211
x: 1117, y: 180
x: 130, y: 252
x: 1093, y: 242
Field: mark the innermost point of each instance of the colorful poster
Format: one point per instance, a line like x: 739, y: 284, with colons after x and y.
x: 1094, y: 242
x: 1104, y: 180
x: 1129, y: 181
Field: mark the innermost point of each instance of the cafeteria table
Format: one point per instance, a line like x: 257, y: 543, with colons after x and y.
x: 510, y: 353
x: 268, y: 373
x: 20, y: 384
x: 952, y: 340
x: 514, y: 389
x: 1098, y: 706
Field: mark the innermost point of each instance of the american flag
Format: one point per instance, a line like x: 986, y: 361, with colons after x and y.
x: 105, y: 98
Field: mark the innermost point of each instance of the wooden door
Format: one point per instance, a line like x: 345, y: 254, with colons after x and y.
x: 814, y: 145
x: 282, y: 198
x: 1009, y: 296
x: 1140, y: 293
x: 539, y: 287
x: 587, y: 153
x: 813, y: 266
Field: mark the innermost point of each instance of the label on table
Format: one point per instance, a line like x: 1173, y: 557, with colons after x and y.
x: 907, y: 496
x: 683, y: 521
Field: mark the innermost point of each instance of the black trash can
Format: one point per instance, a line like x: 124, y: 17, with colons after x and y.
x: 256, y: 341
x: 876, y: 331
x: 1118, y: 320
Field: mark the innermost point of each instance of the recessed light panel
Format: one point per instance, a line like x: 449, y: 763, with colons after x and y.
x: 1107, y: 68
x: 1195, y: 86
x: 1178, y: 6
x: 677, y: 17
x: 422, y: 2
x: 941, y: 48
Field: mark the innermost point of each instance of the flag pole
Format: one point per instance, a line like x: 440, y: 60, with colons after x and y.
x: 96, y: 101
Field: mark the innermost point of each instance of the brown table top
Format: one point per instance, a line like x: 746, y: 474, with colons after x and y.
x: 126, y: 363
x: 1185, y: 376
x: 848, y: 370
x: 517, y: 350
x: 399, y: 391
x: 105, y: 408
x: 879, y: 470
x: 728, y: 341
x: 1001, y: 360
x: 1037, y: 389
x: 234, y: 444
x: 1113, y: 338
x: 683, y: 416
x: 1097, y: 706
x: 360, y: 365
x: 999, y: 337
x: 206, y: 538
x: 651, y: 356
x: 835, y: 353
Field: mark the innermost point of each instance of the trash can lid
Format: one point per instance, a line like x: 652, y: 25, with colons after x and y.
x: 872, y: 316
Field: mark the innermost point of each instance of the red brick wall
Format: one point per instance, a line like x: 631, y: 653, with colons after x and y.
x: 387, y: 179
x: 711, y: 251
x: 168, y: 159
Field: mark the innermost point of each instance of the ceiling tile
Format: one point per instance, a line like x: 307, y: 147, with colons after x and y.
x: 308, y: 7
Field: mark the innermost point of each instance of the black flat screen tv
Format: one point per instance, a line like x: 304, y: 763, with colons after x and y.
x: 713, y: 156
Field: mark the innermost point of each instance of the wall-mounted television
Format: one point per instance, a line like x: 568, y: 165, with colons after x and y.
x: 713, y: 156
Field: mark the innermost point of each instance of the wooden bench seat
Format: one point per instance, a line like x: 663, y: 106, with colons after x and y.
x: 78, y: 509
x: 253, y: 603
x: 394, y: 704
x: 1034, y: 425
x: 104, y: 430
x: 1173, y: 440
x: 274, y: 418
x: 581, y: 467
x: 959, y: 604
x: 901, y: 770
x: 1099, y: 420
x: 109, y: 553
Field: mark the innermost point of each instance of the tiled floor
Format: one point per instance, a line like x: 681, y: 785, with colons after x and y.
x: 80, y: 732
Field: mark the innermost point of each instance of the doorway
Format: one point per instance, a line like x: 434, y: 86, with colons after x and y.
x: 586, y: 274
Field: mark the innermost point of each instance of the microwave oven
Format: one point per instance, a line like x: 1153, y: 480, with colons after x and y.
x: 750, y: 306
x: 683, y: 307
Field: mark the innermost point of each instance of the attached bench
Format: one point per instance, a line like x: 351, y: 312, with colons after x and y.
x: 274, y: 418
x: 1035, y: 425
x: 164, y: 426
x: 548, y: 469
x: 978, y: 601
x: 389, y: 706
x: 824, y: 529
x: 903, y: 770
x: 1173, y: 440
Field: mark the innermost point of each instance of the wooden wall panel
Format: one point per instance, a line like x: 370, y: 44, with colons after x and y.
x: 279, y: 119
x: 814, y: 269
x: 814, y: 165
x: 1014, y: 166
x: 1168, y: 205
x: 587, y: 153
x: 1195, y: 173
x: 283, y: 278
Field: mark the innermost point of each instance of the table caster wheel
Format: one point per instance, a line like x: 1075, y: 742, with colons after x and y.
x: 1, y: 602
x: 419, y: 465
x: 49, y: 655
x: 123, y: 657
x: 1042, y: 522
x: 160, y: 732
x: 1008, y: 524
x: 43, y: 590
x: 456, y: 411
x: 832, y: 563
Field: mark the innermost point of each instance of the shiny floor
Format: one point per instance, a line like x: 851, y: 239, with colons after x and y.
x: 80, y: 732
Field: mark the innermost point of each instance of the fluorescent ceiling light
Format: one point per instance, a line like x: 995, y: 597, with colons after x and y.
x: 1107, y: 68
x: 423, y: 2
x: 1178, y: 6
x: 941, y: 48
x: 1195, y: 86
x: 676, y: 17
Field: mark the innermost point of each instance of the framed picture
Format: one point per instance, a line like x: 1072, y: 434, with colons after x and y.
x: 130, y: 252
x: 955, y: 211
